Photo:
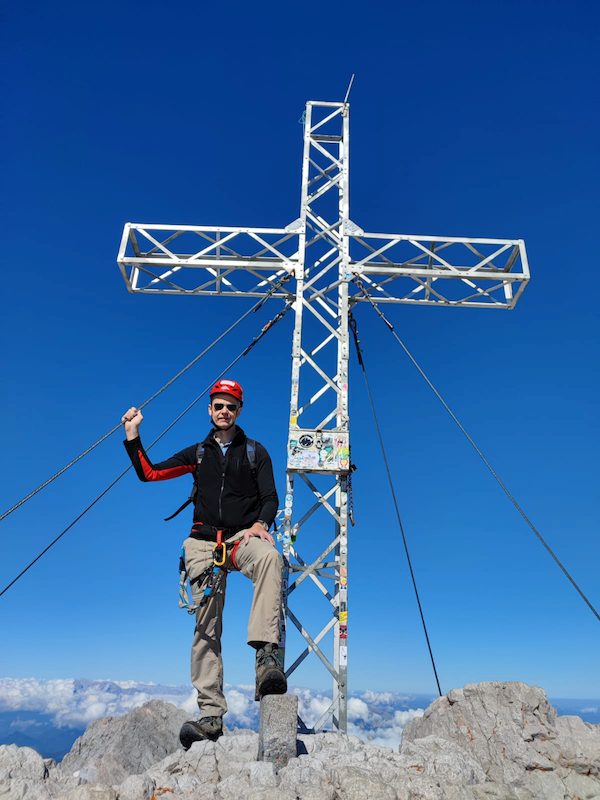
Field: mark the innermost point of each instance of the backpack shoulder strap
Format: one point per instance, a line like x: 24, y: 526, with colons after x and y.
x: 192, y: 497
x: 251, y: 453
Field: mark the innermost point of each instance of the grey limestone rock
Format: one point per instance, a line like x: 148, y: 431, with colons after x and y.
x: 426, y: 788
x: 578, y: 743
x: 493, y: 722
x: 184, y: 773
x: 254, y: 780
x: 90, y: 792
x: 278, y: 728
x: 496, y: 791
x: 583, y: 786
x: 23, y: 773
x: 314, y: 743
x: 234, y: 752
x: 352, y: 783
x: 441, y: 759
x: 515, y: 735
x: 87, y: 774
x: 262, y: 774
x: 308, y: 792
x: 122, y: 746
x: 136, y: 787
x: 304, y: 771
x: 235, y: 791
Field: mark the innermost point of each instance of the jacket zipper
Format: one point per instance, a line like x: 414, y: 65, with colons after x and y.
x: 222, y: 486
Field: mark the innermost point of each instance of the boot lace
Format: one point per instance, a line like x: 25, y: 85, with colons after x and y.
x: 267, y: 657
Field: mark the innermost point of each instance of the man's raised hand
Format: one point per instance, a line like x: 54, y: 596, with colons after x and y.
x: 132, y: 419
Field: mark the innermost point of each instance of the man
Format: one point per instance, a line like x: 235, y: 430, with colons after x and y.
x: 235, y: 503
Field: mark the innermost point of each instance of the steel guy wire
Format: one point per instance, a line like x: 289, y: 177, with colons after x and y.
x: 352, y: 325
x: 254, y: 308
x: 256, y: 339
x: 478, y: 451
x: 349, y: 87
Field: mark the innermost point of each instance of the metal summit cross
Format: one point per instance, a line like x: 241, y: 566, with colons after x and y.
x: 324, y: 251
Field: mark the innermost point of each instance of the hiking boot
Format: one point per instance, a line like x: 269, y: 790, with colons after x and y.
x: 196, y: 730
x: 270, y: 677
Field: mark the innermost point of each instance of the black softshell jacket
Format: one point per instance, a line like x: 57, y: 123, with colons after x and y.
x: 228, y: 494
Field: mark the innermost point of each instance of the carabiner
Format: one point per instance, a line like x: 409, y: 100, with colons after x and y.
x: 223, y: 555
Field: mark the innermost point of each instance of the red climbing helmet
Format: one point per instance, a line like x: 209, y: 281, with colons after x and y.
x: 228, y: 387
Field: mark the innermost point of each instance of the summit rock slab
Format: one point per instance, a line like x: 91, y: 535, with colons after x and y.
x: 517, y: 737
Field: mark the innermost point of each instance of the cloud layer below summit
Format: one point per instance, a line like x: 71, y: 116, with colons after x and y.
x: 34, y: 707
x: 67, y: 703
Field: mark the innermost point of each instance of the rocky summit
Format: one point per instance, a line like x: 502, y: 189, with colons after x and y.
x: 487, y: 741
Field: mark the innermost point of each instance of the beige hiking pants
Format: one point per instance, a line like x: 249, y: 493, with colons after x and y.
x: 259, y: 561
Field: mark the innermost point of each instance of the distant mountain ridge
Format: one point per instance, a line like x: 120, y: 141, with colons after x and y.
x: 39, y: 731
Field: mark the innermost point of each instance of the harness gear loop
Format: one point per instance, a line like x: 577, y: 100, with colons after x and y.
x: 233, y: 552
x: 184, y: 599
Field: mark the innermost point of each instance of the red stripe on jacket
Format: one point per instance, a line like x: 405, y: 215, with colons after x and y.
x: 162, y: 474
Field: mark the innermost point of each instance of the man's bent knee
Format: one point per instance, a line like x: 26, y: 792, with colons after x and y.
x: 273, y: 556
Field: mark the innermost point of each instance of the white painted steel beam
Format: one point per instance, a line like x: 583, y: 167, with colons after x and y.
x: 217, y: 268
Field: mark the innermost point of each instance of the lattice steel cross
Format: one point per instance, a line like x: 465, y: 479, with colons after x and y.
x: 324, y: 251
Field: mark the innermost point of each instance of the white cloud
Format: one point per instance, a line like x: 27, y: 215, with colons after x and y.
x: 376, y: 717
x: 23, y: 724
x: 75, y: 703
x: 386, y: 731
x: 190, y: 705
x: 240, y: 711
x: 311, y: 705
x: 357, y: 709
x: 380, y: 697
x: 402, y: 718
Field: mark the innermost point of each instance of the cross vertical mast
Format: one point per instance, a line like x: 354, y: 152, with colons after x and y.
x: 313, y: 447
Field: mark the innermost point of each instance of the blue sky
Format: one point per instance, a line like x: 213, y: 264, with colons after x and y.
x: 465, y: 120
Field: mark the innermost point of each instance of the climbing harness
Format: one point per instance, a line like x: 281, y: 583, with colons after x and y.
x: 216, y: 572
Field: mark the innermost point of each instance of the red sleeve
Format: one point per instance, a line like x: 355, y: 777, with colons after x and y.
x: 179, y: 464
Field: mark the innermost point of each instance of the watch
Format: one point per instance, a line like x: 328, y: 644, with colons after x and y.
x: 264, y: 524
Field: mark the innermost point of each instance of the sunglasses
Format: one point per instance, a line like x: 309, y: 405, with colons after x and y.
x: 230, y: 406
